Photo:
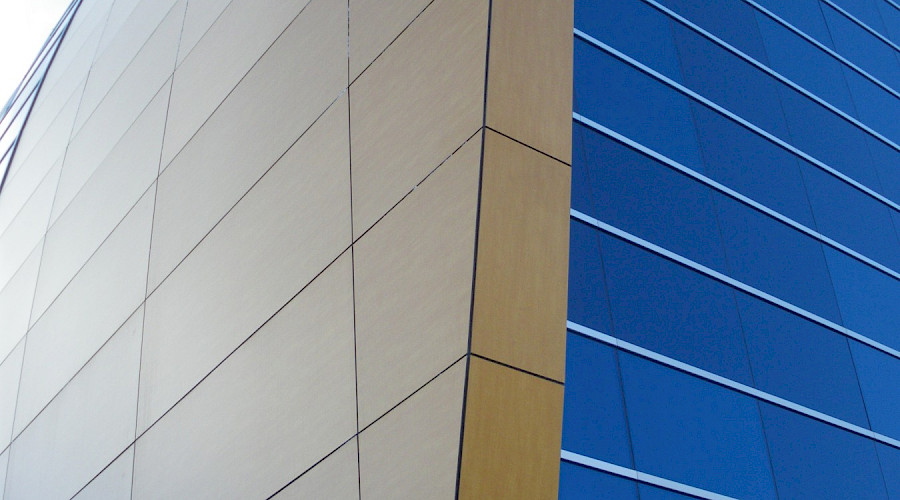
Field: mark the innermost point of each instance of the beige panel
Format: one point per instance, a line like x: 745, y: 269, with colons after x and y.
x: 108, y: 195
x: 218, y: 62
x: 10, y: 369
x: 512, y: 434
x: 530, y: 75
x: 27, y: 228
x: 414, y: 285
x: 116, y: 51
x: 38, y: 157
x: 137, y: 86
x: 273, y: 409
x: 200, y: 15
x: 278, y: 237
x: 519, y: 313
x: 292, y: 84
x: 114, y: 483
x: 413, y: 451
x: 374, y: 24
x: 88, y: 424
x: 101, y: 297
x: 15, y: 301
x: 416, y: 104
x: 335, y: 478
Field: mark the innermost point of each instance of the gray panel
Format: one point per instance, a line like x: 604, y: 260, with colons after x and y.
x: 114, y: 483
x: 100, y: 298
x: 335, y: 478
x: 15, y: 302
x: 291, y: 85
x: 32, y: 162
x: 117, y: 111
x: 218, y: 62
x: 27, y: 228
x: 116, y: 54
x: 88, y: 424
x: 108, y: 195
x: 10, y: 369
x: 4, y: 460
x: 282, y: 233
x: 276, y: 406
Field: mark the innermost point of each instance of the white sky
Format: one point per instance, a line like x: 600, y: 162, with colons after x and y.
x: 24, y: 25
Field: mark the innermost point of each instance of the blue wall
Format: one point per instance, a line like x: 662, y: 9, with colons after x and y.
x: 734, y: 286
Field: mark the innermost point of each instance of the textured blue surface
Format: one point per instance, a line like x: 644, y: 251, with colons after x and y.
x: 642, y: 413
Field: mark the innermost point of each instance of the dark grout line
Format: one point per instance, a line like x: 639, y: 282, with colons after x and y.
x: 516, y: 368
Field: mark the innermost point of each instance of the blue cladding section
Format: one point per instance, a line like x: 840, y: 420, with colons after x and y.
x: 683, y: 427
x: 581, y: 483
x: 742, y: 161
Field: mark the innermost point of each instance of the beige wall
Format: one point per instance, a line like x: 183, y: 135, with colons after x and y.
x: 315, y: 248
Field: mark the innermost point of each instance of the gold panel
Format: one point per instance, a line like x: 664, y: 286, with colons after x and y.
x: 512, y: 433
x: 523, y: 247
x: 373, y: 24
x: 414, y: 285
x: 416, y: 104
x: 413, y: 451
x: 530, y: 74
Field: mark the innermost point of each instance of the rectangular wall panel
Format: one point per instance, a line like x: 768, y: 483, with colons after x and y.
x: 288, y: 228
x: 274, y: 408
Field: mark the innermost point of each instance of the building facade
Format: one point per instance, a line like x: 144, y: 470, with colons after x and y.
x: 734, y: 296
x: 454, y: 249
x: 239, y: 251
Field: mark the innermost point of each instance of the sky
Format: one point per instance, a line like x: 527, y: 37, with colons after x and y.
x: 24, y: 26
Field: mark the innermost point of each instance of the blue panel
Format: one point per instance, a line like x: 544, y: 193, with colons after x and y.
x: 729, y: 20
x: 891, y: 17
x: 864, y: 10
x: 890, y: 467
x: 593, y: 414
x: 634, y: 28
x: 626, y: 100
x: 694, y: 432
x: 879, y: 378
x: 775, y: 258
x: 652, y: 201
x: 828, y: 138
x: 800, y: 361
x: 672, y: 310
x: 752, y: 165
x: 861, y: 47
x: 805, y: 64
x: 805, y: 15
x: 653, y: 493
x: 816, y: 460
x: 852, y: 217
x: 729, y: 81
x: 868, y: 298
x: 588, y: 303
x: 875, y: 106
x: 582, y: 195
x: 581, y: 483
x: 886, y: 159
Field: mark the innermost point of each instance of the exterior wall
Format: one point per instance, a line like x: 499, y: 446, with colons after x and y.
x: 734, y: 285
x: 304, y: 248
